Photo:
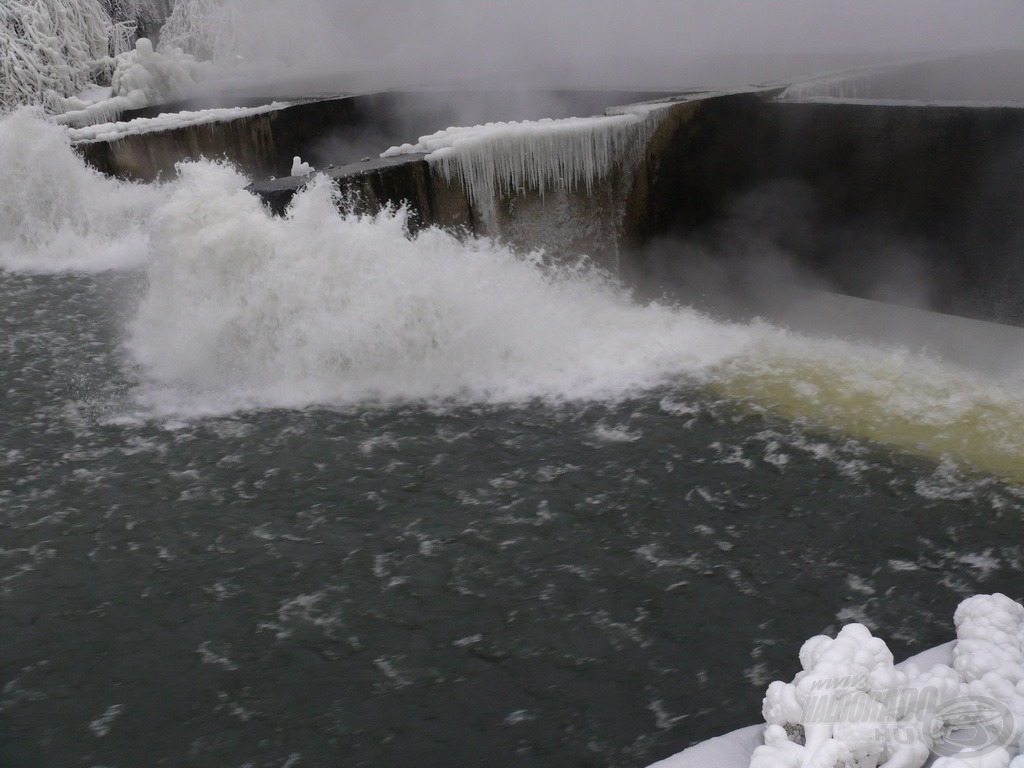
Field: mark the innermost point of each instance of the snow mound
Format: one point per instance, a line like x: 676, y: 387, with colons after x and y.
x: 850, y: 707
x: 300, y: 168
x: 141, y: 77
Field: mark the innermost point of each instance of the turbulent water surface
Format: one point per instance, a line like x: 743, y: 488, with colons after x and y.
x: 309, y: 492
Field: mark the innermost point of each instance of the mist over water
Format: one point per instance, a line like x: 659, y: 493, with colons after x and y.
x: 597, y: 43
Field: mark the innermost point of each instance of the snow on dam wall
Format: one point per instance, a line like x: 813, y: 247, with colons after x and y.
x: 327, y: 131
x: 840, y: 185
x: 262, y: 143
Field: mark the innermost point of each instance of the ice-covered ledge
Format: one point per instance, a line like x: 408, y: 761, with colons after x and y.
x: 561, y: 185
x: 506, y: 158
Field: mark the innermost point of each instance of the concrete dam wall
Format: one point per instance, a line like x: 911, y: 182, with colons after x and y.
x: 906, y: 197
x: 325, y: 131
x: 855, y: 192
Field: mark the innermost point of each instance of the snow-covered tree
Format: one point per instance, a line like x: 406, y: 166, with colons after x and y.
x: 50, y: 49
x: 192, y: 26
x: 146, y: 16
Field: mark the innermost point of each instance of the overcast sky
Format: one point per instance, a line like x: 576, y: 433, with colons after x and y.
x: 630, y: 39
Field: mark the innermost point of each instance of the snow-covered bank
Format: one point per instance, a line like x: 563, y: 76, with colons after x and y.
x: 55, y: 54
x: 734, y: 750
x: 960, y: 705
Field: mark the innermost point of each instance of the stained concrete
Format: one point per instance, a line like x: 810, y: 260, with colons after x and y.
x: 847, y: 190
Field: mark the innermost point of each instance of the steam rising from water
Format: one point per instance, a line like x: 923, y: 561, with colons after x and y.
x: 245, y: 310
x: 645, y: 43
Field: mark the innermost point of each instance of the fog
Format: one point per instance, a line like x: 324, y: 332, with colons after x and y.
x: 773, y: 247
x: 591, y: 43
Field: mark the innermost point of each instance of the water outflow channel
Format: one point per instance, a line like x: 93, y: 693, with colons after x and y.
x: 308, y: 491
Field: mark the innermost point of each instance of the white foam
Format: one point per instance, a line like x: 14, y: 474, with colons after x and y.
x: 57, y: 214
x: 244, y: 309
x: 247, y: 310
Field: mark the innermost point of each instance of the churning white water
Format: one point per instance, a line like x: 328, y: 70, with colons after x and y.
x: 58, y: 214
x: 242, y: 310
x: 326, y: 307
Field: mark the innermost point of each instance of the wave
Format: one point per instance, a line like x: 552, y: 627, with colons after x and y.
x: 327, y: 307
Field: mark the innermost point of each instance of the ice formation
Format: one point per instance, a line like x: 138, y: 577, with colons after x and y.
x: 50, y: 49
x: 510, y: 157
x: 122, y: 37
x: 164, y: 122
x: 851, y: 708
x: 848, y: 86
x: 259, y: 38
x: 141, y: 77
x: 300, y: 168
x: 133, y: 19
x: 55, y: 52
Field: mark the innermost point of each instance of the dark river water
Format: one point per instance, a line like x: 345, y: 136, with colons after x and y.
x: 584, y: 583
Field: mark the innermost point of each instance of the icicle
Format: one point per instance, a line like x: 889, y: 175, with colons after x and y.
x: 850, y: 86
x: 546, y: 154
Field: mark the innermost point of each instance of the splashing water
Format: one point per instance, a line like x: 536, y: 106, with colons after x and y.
x: 57, y: 214
x: 326, y: 307
x: 244, y: 310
